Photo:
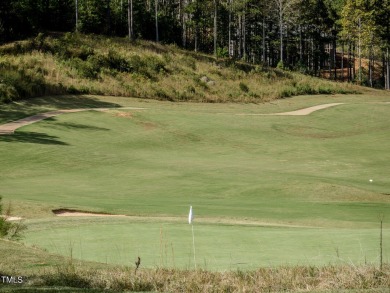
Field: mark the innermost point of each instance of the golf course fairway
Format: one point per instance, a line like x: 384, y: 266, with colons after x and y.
x: 266, y: 190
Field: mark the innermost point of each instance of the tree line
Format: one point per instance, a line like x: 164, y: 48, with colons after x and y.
x: 312, y: 36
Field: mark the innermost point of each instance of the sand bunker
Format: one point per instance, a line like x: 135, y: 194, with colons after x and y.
x: 76, y: 213
x: 9, y: 218
x: 170, y: 219
x: 300, y: 112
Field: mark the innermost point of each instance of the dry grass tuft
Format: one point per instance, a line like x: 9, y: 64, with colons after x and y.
x: 279, y: 279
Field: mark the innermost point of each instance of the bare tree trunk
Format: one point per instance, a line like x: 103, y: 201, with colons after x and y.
x: 360, y: 53
x: 239, y: 36
x: 230, y: 45
x: 330, y: 61
x: 312, y: 56
x: 244, y: 35
x: 354, y: 61
x: 300, y: 45
x: 196, y: 38
x: 156, y: 19
x: 334, y: 58
x: 281, y: 32
x: 342, y: 61
x: 77, y: 15
x: 215, y: 26
x: 109, y: 17
x: 184, y: 24
x: 370, y: 65
x: 130, y: 18
x: 387, y: 69
x: 263, y: 41
x: 349, y: 61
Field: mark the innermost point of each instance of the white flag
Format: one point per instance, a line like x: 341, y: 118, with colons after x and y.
x: 190, y: 216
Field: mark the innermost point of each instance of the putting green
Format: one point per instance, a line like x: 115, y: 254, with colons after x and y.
x: 218, y: 247
x: 311, y: 171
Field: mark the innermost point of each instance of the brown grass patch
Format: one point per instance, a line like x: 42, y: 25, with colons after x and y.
x: 366, y: 278
x: 128, y: 115
x: 149, y: 125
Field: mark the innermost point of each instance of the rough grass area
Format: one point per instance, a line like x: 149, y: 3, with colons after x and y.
x: 81, y: 64
x: 49, y: 273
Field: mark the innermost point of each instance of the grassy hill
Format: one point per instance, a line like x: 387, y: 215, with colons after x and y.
x: 74, y: 64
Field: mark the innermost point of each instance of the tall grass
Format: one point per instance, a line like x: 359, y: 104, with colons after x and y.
x: 279, y: 279
x: 74, y: 63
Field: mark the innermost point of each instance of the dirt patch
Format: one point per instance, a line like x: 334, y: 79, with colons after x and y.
x: 124, y: 115
x: 9, y: 218
x: 149, y: 125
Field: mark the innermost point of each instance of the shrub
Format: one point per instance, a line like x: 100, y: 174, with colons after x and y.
x: 325, y: 90
x: 190, y: 62
x: 135, y: 64
x: 20, y: 83
x: 8, y: 93
x: 4, y: 225
x: 288, y: 92
x: 162, y: 95
x: 244, y: 87
x: 222, y: 52
x: 155, y: 64
x: 305, y: 89
x: 89, y: 69
x: 84, y: 52
x: 280, y: 65
x: 190, y: 89
x: 116, y: 62
x: 9, y: 229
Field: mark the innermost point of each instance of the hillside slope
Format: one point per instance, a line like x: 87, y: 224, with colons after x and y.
x: 86, y: 64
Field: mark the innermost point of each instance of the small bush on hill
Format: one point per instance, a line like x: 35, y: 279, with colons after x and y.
x: 9, y: 229
x: 7, y: 93
x: 4, y: 225
x: 20, y: 83
x: 244, y: 87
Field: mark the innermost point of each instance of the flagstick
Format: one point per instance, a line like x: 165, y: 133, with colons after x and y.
x: 193, y: 243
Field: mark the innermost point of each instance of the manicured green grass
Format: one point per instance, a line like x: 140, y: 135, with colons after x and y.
x: 161, y: 243
x: 310, y: 171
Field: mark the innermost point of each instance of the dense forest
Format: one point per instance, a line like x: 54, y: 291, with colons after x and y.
x: 347, y: 40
